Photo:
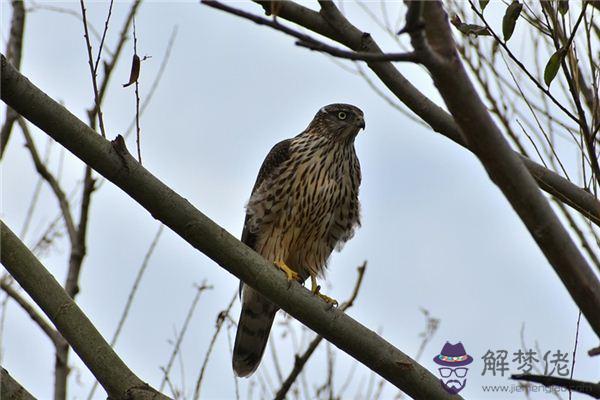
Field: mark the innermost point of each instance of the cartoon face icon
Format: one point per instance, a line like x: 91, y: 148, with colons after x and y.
x: 452, y: 360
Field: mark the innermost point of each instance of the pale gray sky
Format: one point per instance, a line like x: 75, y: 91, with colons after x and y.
x: 436, y: 231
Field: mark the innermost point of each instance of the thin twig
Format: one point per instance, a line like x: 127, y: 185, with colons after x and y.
x: 103, y: 37
x: 137, y: 99
x: 131, y: 296
x: 223, y: 315
x: 575, y: 349
x: 155, y: 82
x: 35, y: 196
x: 176, y: 348
x: 35, y: 6
x: 35, y: 315
x: 521, y: 66
x: 109, y: 66
x: 50, y: 179
x: 14, y: 51
x: 92, y: 69
x: 312, y: 43
x: 229, y: 343
x: 358, y: 55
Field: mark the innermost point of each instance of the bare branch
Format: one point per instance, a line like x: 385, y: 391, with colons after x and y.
x: 92, y: 68
x: 589, y: 388
x: 130, y: 298
x: 506, y: 170
x: 11, y: 389
x: 116, y: 378
x: 137, y: 98
x: 521, y: 66
x: 155, y: 82
x: 439, y: 120
x: 63, y: 202
x: 199, y: 289
x: 13, y: 54
x: 112, y: 160
x: 103, y: 37
x: 312, y: 43
x: 109, y: 66
x: 52, y: 333
x: 221, y: 319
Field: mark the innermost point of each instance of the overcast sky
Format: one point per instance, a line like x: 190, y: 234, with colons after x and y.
x: 436, y: 232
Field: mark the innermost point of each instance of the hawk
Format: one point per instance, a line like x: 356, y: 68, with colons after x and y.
x: 303, y: 205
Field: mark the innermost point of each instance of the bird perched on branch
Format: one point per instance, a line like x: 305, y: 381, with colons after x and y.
x: 303, y: 205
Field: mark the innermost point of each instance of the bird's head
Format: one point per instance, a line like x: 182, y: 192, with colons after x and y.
x: 338, y: 122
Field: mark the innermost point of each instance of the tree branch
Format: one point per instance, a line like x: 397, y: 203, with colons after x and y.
x: 312, y: 43
x: 11, y: 389
x: 589, y: 388
x: 52, y: 333
x: 506, y: 170
x: 13, y: 53
x: 109, y: 66
x: 63, y: 202
x: 439, y: 120
x: 112, y: 160
x: 93, y: 69
x: 300, y: 361
x: 116, y: 378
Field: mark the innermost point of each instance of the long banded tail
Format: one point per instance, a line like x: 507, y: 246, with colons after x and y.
x: 254, y: 326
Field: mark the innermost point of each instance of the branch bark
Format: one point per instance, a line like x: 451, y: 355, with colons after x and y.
x: 504, y: 167
x: 300, y: 361
x: 114, y: 162
x: 116, y: 378
x: 440, y: 121
x: 589, y: 388
x: 11, y: 389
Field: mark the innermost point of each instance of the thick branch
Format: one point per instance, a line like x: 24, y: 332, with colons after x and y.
x: 589, y: 388
x: 506, y: 169
x: 300, y: 361
x: 312, y: 43
x: 114, y: 162
x: 11, y: 389
x: 439, y: 120
x: 116, y: 378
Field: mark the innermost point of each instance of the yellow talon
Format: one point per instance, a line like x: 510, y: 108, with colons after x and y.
x: 315, y: 288
x: 289, y: 273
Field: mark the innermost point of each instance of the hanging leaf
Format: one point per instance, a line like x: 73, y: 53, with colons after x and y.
x: 510, y: 19
x: 135, y: 71
x: 483, y: 4
x: 563, y: 6
x: 553, y: 65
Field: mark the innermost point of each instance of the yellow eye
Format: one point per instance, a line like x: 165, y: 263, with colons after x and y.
x: 342, y: 115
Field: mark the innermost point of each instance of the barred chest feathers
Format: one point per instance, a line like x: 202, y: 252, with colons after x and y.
x: 309, y: 206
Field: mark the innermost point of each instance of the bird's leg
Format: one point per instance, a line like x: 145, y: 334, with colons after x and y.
x: 289, y: 273
x: 315, y: 288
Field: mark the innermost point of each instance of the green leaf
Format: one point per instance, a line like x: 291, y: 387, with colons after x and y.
x: 483, y: 4
x: 563, y: 6
x: 510, y: 19
x: 553, y: 65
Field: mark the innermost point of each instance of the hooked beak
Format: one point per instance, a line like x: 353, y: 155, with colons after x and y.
x: 361, y: 123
